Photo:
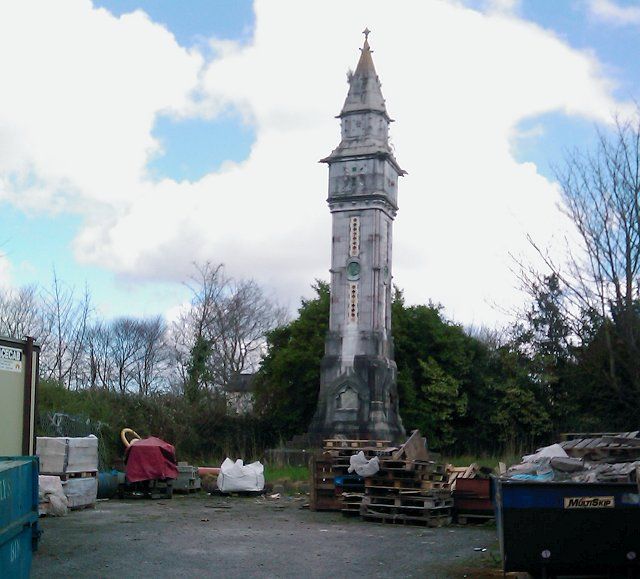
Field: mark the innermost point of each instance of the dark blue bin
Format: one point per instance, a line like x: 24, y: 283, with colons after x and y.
x: 107, y: 484
x: 567, y: 527
x: 18, y: 515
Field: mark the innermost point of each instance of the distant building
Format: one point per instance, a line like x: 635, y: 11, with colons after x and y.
x: 239, y: 393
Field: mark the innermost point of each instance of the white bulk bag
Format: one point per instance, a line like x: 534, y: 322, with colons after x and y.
x: 236, y: 476
x: 51, y: 497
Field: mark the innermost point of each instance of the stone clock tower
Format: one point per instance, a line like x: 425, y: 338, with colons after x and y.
x: 358, y: 392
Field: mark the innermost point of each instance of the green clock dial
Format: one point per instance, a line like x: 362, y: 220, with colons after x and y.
x: 353, y: 269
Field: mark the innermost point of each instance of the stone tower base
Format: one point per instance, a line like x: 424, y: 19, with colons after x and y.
x: 359, y: 403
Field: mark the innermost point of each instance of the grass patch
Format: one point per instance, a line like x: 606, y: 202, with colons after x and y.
x: 286, y: 473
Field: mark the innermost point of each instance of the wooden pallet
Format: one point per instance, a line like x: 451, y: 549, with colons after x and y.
x: 368, y: 451
x: 435, y: 521
x: 370, y: 507
x: 409, y: 476
x: 414, y: 502
x: 424, y: 466
x: 337, y: 443
x: 405, y: 485
x: 64, y: 476
x: 604, y: 447
x: 322, y: 495
x: 351, y: 503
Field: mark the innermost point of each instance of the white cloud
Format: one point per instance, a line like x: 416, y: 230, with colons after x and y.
x: 503, y: 6
x: 6, y: 279
x: 84, y: 88
x: 609, y: 11
x: 80, y: 92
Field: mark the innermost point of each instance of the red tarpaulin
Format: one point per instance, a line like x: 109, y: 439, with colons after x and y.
x: 150, y: 458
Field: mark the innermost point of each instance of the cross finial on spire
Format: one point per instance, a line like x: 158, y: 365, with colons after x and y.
x: 366, y: 33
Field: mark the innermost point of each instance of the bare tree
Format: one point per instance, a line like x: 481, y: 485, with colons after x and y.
x: 237, y: 331
x: 207, y: 286
x: 66, y: 319
x: 151, y: 363
x: 228, y: 317
x: 126, y: 337
x: 99, y: 362
x: 601, y: 279
x: 21, y: 313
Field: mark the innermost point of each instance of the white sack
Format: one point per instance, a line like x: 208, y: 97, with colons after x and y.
x: 81, y: 492
x: 362, y: 466
x: 51, y: 497
x: 236, y: 476
x: 63, y: 454
x: 553, y: 451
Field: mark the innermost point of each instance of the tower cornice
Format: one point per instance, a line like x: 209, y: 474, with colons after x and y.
x: 360, y: 202
x: 336, y: 157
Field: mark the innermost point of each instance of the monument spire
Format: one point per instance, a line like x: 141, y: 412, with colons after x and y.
x: 358, y: 391
x: 365, y: 90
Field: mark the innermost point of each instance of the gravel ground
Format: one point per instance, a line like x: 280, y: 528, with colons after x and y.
x: 202, y: 536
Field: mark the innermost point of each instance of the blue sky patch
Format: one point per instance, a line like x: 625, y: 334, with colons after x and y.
x: 545, y: 140
x: 192, y: 148
x: 53, y: 236
x: 616, y: 46
x: 193, y: 21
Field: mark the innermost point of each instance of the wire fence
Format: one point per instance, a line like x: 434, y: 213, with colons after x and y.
x: 61, y: 424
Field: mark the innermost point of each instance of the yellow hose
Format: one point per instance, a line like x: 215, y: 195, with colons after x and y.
x: 123, y: 436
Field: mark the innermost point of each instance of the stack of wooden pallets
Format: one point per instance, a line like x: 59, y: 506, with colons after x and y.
x: 350, y: 487
x: 408, y: 492
x: 411, y: 487
x: 333, y: 488
x: 623, y: 447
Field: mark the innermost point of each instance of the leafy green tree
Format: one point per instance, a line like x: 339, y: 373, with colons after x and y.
x: 442, y: 402
x: 434, y: 358
x: 288, y: 381
x: 520, y: 418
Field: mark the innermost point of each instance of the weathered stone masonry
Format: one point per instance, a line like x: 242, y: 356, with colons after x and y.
x: 358, y: 392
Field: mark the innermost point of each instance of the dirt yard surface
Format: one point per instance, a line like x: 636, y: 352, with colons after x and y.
x: 202, y: 536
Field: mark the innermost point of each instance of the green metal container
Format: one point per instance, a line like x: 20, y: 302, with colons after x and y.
x: 18, y: 515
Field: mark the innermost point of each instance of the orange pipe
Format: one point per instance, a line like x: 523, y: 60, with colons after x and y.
x: 202, y: 470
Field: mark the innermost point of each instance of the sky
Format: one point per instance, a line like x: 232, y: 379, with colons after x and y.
x: 140, y: 136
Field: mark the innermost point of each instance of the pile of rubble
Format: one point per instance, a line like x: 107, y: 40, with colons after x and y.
x: 607, y: 458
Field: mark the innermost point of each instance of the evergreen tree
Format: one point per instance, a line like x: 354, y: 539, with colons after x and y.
x: 197, y: 369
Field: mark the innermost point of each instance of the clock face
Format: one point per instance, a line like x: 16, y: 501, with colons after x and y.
x: 353, y: 270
